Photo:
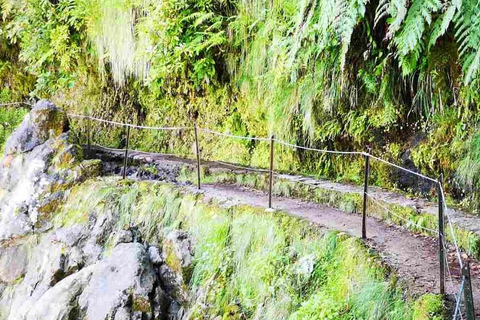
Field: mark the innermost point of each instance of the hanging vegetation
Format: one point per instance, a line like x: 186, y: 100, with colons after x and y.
x: 400, y: 75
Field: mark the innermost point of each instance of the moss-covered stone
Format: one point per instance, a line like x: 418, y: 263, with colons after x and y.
x: 141, y: 304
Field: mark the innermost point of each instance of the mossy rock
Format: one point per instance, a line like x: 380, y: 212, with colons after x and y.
x: 141, y: 304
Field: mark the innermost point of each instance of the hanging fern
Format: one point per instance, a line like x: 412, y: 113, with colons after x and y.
x: 396, y: 10
x: 442, y: 24
x: 348, y: 14
x: 409, y: 41
x: 467, y: 23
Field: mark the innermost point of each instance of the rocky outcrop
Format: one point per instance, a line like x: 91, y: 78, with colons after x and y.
x: 96, y: 269
x: 40, y: 163
x: 120, y: 286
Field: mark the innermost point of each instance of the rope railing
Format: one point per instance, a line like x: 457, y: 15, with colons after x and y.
x: 319, y: 150
x: 458, y: 300
x: 372, y: 198
x: 11, y: 104
x: 232, y: 136
x: 443, y: 208
x: 403, y: 169
x: 130, y: 125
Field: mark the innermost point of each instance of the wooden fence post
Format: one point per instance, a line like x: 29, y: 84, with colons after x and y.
x: 197, y: 151
x: 441, y: 234
x: 272, y: 154
x: 467, y: 290
x: 365, y: 195
x: 125, y: 162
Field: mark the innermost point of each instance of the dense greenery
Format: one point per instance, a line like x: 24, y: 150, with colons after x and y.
x: 283, y: 268
x: 402, y: 76
x: 10, y: 118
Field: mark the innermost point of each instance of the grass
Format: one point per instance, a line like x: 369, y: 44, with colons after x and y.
x: 345, y: 201
x: 249, y: 264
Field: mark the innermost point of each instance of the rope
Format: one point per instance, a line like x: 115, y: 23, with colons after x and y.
x: 15, y: 104
x: 233, y: 136
x: 450, y: 278
x: 319, y: 150
x: 452, y: 230
x: 130, y: 151
x: 458, y: 298
x: 398, y: 216
x: 404, y: 169
x: 129, y: 125
x: 240, y: 167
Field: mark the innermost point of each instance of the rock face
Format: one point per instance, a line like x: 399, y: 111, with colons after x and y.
x: 95, y: 270
x: 40, y: 161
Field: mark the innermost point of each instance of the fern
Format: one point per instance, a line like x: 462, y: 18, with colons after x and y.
x: 419, y: 16
x: 348, y: 14
x: 442, y: 24
x: 396, y: 9
x: 409, y: 41
x: 467, y: 24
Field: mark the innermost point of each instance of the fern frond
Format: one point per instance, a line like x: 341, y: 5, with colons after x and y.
x: 348, y: 14
x: 419, y: 16
x: 467, y: 35
x: 396, y: 10
x: 199, y: 18
x: 441, y: 25
x: 383, y: 10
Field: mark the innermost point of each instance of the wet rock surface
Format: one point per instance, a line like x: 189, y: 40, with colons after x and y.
x: 96, y: 269
x: 39, y: 165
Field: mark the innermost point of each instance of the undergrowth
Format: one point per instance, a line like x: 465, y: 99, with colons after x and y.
x: 255, y: 265
x: 10, y: 118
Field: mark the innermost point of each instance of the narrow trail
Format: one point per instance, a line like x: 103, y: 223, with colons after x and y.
x: 413, y: 257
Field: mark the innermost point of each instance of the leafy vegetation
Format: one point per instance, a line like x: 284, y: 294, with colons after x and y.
x: 281, y: 269
x: 10, y: 118
x: 399, y: 75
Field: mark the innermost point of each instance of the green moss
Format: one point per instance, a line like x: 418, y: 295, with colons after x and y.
x: 50, y: 123
x: 171, y: 258
x: 141, y: 304
x: 429, y: 306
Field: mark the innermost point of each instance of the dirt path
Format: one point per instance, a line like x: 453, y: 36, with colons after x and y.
x: 414, y: 257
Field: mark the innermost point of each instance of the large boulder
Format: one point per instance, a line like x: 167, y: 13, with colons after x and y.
x: 87, y: 269
x: 120, y: 286
x: 40, y: 162
x: 45, y: 121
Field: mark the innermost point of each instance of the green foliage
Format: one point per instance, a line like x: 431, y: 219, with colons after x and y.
x: 429, y: 306
x: 49, y: 38
x: 468, y: 34
x: 281, y: 269
x: 331, y: 74
x: 10, y: 118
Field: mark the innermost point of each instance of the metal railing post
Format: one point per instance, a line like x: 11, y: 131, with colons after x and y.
x: 441, y: 234
x: 365, y: 195
x: 197, y: 151
x: 469, y: 304
x: 270, y: 187
x: 125, y: 162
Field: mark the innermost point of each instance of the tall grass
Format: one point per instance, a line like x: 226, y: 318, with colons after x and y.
x: 254, y: 265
